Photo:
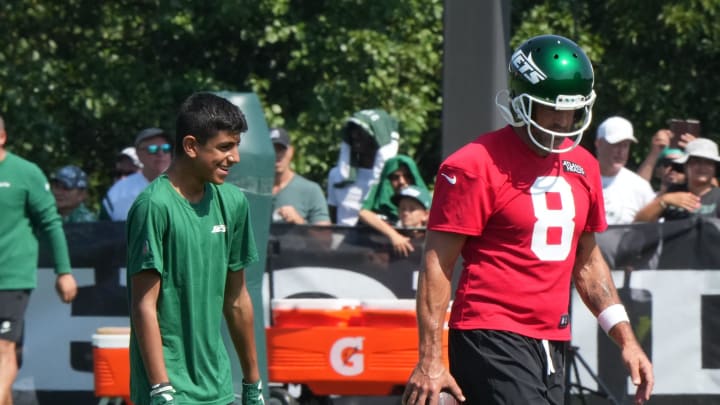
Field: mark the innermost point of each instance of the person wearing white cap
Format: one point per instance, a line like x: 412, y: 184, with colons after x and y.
x: 699, y: 196
x: 624, y: 191
x: 126, y: 164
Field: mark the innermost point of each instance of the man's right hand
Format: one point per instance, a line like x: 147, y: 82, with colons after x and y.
x: 162, y: 394
x: 424, y: 386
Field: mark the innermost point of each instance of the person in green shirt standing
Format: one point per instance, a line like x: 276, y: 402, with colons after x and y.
x: 189, y: 240
x: 28, y: 208
x: 69, y: 186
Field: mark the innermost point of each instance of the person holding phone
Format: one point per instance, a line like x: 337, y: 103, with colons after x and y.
x: 698, y: 196
x: 666, y: 145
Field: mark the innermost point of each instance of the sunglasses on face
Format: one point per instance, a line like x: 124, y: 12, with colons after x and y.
x: 676, y: 167
x: 154, y: 149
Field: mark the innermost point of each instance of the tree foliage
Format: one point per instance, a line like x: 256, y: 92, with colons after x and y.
x: 653, y: 60
x: 79, y: 78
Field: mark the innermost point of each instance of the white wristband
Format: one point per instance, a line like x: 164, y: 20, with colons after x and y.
x: 611, y: 316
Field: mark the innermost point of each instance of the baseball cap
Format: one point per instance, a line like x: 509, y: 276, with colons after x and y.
x: 279, y: 136
x: 702, y: 148
x: 70, y: 176
x: 671, y: 153
x: 131, y: 153
x: 420, y: 194
x: 150, y: 133
x: 615, y: 129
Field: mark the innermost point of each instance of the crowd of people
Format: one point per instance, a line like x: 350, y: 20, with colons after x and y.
x: 496, y: 202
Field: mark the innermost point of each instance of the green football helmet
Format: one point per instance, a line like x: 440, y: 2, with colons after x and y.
x: 553, y: 71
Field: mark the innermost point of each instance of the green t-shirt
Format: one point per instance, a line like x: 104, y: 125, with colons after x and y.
x: 80, y: 214
x: 306, y: 197
x: 28, y: 209
x: 192, y: 246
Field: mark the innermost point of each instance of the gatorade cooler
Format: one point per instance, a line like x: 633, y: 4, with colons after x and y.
x: 389, y: 313
x: 111, y: 364
x: 314, y: 312
x: 392, y: 313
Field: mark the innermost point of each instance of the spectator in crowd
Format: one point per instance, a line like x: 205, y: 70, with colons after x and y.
x: 154, y: 148
x: 413, y: 204
x: 369, y: 138
x: 127, y: 163
x: 379, y: 211
x: 189, y: 241
x: 660, y: 148
x: 296, y: 199
x: 698, y: 195
x: 28, y: 209
x: 69, y: 186
x: 667, y: 172
x: 625, y: 192
x: 521, y: 204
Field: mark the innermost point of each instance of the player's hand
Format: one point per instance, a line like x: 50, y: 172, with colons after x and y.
x: 641, y: 372
x: 66, y: 287
x: 685, y: 139
x: 401, y: 244
x: 163, y: 394
x: 252, y: 393
x: 683, y: 199
x: 661, y: 139
x: 290, y: 215
x: 424, y: 385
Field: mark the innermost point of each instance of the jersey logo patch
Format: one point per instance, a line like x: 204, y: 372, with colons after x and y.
x: 5, y: 184
x: 218, y: 229
x: 527, y: 67
x: 451, y: 179
x: 573, y: 167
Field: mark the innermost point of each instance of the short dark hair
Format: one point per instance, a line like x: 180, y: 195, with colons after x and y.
x: 203, y: 115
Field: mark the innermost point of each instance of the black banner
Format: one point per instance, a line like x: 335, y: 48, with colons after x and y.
x: 667, y: 275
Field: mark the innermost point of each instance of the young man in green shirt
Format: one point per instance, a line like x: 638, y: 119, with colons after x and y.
x: 189, y: 240
x: 28, y: 208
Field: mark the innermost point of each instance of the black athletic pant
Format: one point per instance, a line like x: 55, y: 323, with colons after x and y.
x: 504, y: 368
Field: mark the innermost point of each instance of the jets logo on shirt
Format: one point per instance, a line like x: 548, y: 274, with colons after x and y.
x: 4, y: 184
x: 573, y: 167
x: 527, y: 67
x: 218, y: 229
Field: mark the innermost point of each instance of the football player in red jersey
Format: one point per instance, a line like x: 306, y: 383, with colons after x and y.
x: 521, y: 205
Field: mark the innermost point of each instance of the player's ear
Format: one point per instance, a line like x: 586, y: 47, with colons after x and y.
x: 190, y: 145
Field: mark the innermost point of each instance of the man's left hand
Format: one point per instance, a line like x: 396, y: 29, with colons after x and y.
x: 641, y: 372
x: 66, y: 287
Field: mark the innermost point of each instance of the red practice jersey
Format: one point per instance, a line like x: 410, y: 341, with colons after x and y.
x: 523, y: 215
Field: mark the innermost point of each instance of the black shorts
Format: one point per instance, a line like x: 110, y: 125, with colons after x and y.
x: 504, y: 368
x: 13, y: 304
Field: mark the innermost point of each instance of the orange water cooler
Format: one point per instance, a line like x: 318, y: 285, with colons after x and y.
x: 111, y: 365
x: 344, y: 347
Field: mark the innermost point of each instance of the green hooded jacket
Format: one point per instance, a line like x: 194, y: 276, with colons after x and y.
x: 379, y: 200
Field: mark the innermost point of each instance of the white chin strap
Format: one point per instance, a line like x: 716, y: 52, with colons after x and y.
x: 524, y: 110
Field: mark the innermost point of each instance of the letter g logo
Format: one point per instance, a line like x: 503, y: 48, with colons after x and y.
x: 346, y: 356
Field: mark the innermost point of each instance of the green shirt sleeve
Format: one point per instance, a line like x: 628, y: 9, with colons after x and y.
x: 318, y: 205
x: 146, y: 224
x: 46, y: 220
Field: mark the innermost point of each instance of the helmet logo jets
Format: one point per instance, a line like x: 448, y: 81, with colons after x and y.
x: 527, y: 67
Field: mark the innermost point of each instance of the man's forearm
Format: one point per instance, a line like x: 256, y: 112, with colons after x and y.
x: 432, y: 302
